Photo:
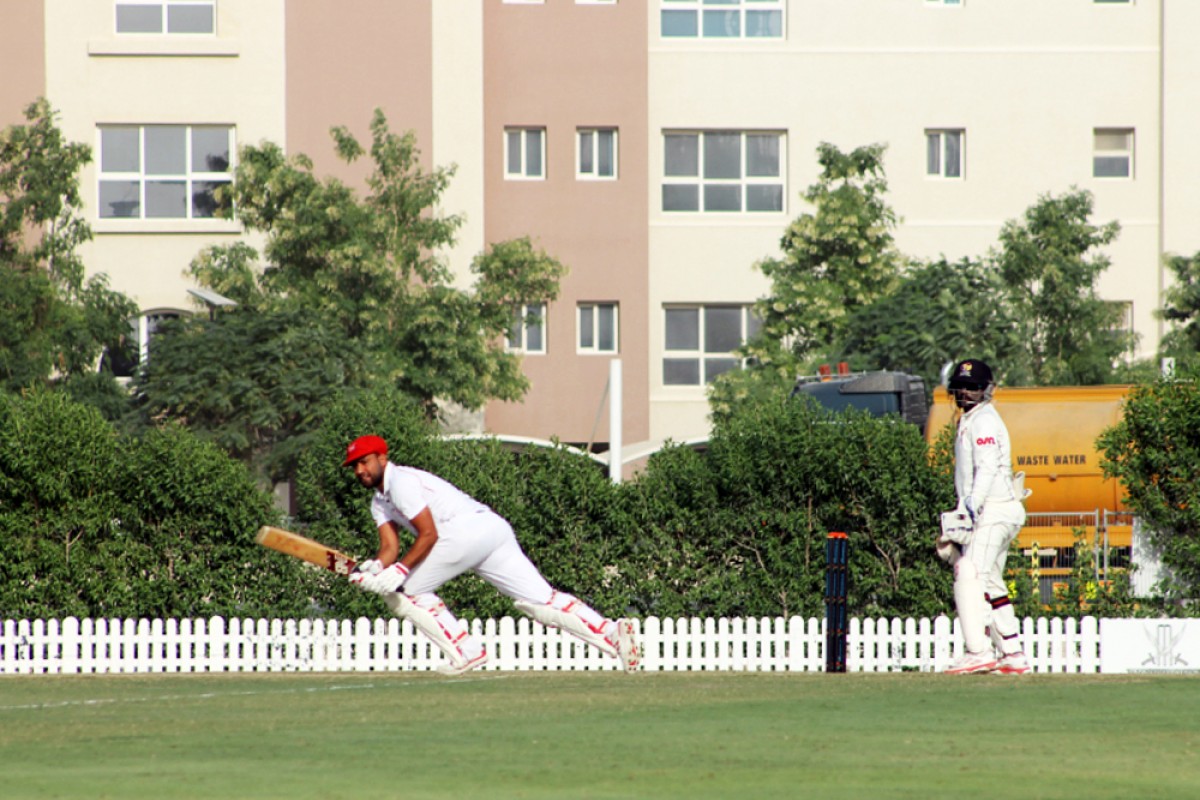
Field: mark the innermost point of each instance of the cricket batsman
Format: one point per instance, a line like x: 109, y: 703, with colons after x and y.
x: 977, y: 534
x: 453, y: 533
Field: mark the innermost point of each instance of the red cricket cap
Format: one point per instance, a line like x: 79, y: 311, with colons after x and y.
x: 364, y: 446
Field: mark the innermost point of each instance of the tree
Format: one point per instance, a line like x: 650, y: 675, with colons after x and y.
x: 353, y: 288
x: 1154, y: 451
x: 836, y: 259
x: 939, y: 312
x: 1049, y: 263
x: 1181, y: 307
x: 53, y: 322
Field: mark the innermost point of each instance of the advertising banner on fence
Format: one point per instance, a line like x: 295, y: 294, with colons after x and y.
x: 1150, y: 645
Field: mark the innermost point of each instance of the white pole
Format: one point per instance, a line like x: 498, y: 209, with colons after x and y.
x: 614, y: 420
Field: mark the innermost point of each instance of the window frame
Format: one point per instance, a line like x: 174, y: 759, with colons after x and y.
x: 594, y: 132
x: 748, y: 323
x: 744, y: 182
x: 595, y: 348
x: 165, y: 17
x: 190, y: 177
x: 697, y: 10
x: 522, y: 174
x: 943, y: 153
x: 521, y: 315
x: 1128, y: 153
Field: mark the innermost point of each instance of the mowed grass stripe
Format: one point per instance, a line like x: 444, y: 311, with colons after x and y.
x: 599, y: 735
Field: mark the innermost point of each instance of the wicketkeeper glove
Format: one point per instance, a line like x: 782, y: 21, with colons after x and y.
x: 389, y: 580
x: 969, y: 505
x: 957, y: 527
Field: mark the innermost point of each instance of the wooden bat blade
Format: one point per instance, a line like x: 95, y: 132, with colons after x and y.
x: 297, y: 546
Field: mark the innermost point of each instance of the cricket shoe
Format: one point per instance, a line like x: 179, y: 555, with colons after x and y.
x: 465, y: 666
x: 629, y: 650
x: 972, y: 663
x: 1012, y: 664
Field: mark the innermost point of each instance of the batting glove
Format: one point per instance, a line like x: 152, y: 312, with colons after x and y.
x: 370, y: 567
x: 389, y: 580
x: 969, y: 505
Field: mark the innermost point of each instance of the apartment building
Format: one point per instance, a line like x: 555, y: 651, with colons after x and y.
x: 658, y: 148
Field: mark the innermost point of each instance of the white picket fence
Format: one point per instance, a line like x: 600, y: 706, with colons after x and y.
x: 260, y: 645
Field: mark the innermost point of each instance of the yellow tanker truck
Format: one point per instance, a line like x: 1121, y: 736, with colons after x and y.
x: 1053, y: 431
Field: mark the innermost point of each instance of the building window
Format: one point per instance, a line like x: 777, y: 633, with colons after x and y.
x: 597, y: 327
x: 1112, y: 153
x: 597, y: 150
x: 122, y: 358
x: 166, y: 16
x: 700, y: 341
x: 525, y: 153
x: 944, y: 153
x: 163, y: 171
x: 722, y: 19
x: 723, y: 171
x: 527, y: 332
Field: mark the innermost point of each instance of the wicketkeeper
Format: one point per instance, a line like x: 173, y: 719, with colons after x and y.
x: 454, y: 533
x: 977, y: 534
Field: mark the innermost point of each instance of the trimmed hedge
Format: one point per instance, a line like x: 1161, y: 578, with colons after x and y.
x: 94, y: 523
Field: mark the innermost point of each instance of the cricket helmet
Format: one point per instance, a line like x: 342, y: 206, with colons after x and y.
x: 970, y: 373
x: 364, y: 446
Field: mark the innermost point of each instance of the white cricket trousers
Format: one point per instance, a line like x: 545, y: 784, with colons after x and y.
x: 988, y: 551
x: 485, y: 544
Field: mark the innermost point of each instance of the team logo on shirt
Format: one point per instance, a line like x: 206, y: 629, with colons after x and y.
x: 986, y: 440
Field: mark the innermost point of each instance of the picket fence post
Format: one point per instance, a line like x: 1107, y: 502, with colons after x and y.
x: 795, y: 644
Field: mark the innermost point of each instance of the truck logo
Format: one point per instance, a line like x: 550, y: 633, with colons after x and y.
x: 1058, y: 459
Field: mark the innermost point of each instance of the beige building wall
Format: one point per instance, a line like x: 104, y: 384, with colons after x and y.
x: 562, y: 66
x: 23, y: 54
x: 96, y: 77
x: 1027, y: 81
x: 344, y: 61
x: 421, y: 63
x: 458, y: 130
x: 1181, y: 129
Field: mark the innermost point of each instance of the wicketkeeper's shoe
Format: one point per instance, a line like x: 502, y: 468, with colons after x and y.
x: 453, y: 668
x: 629, y: 650
x: 1012, y: 664
x: 972, y: 663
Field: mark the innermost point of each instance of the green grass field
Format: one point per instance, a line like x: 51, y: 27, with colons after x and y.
x: 599, y: 735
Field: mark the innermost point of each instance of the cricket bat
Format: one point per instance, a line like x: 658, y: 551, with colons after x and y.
x: 306, y: 549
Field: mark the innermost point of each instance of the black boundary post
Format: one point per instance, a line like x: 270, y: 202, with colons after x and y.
x: 836, y: 551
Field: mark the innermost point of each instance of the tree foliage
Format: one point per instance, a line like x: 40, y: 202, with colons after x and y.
x: 97, y: 523
x: 1181, y: 307
x: 365, y: 271
x: 53, y: 321
x: 1049, y: 261
x: 938, y: 311
x: 842, y: 292
x: 1155, y: 453
x: 835, y: 259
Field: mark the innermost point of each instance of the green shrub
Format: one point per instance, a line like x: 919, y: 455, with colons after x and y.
x: 100, y: 525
